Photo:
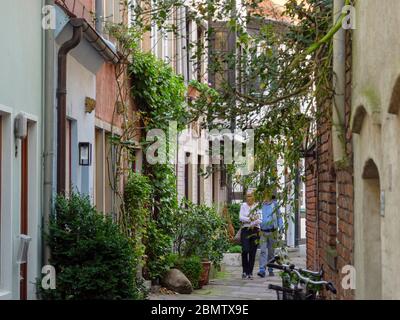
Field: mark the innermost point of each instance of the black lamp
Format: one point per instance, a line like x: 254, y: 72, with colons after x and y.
x: 85, y: 154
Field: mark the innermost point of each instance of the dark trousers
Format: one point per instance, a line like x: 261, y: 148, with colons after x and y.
x: 250, y: 239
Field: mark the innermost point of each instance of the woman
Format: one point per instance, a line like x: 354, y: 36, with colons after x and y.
x: 250, y: 217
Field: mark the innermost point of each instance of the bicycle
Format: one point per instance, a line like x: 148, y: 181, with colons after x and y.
x: 298, y: 283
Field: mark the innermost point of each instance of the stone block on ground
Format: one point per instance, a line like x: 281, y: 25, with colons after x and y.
x: 176, y: 281
x: 155, y: 289
x: 232, y: 259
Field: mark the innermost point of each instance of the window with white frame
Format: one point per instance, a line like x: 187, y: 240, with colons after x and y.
x: 113, y: 11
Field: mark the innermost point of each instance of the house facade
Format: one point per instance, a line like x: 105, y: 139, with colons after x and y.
x: 91, y: 117
x: 376, y: 130
x: 192, y: 156
x: 352, y: 175
x: 21, y: 100
x: 329, y: 175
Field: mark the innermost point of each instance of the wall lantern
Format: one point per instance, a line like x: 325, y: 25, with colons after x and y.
x: 85, y: 154
x: 20, y: 126
x: 24, y: 241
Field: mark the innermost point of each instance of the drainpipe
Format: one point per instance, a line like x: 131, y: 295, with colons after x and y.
x: 48, y: 131
x: 99, y: 16
x: 339, y: 84
x: 80, y: 28
x: 62, y: 104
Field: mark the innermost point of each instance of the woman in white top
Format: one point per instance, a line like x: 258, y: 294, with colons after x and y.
x: 250, y: 216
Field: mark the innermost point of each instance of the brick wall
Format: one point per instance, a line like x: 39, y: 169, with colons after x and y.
x: 311, y: 213
x: 329, y: 197
x: 345, y: 246
x: 79, y: 8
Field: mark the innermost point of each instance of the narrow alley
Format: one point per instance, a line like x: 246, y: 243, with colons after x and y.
x: 229, y: 285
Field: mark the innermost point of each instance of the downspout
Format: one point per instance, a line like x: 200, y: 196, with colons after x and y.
x: 62, y: 104
x: 48, y: 131
x: 99, y: 16
x: 338, y: 110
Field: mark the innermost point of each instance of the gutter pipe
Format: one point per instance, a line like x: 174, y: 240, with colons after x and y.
x: 339, y: 79
x: 62, y: 105
x: 80, y: 29
x: 48, y: 131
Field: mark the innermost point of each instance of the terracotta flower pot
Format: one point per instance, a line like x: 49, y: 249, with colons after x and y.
x: 204, y: 277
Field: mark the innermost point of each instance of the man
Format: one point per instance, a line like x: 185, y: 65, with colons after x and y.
x: 250, y: 217
x: 271, y: 223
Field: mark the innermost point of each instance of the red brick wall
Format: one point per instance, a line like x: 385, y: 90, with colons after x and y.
x: 311, y: 213
x: 329, y: 197
x: 345, y: 246
x: 106, y: 94
x: 79, y: 8
x: 89, y: 4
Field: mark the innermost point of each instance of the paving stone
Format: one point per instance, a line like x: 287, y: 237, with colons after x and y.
x: 233, y: 287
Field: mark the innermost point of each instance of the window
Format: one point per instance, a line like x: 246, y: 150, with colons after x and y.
x: 187, y: 175
x: 214, y: 183
x: 221, y: 66
x: 223, y: 175
x: 135, y: 165
x: 200, y: 59
x: 105, y: 167
x: 99, y: 170
x: 200, y: 180
x: 109, y: 176
x: 187, y: 47
x: 112, y: 11
x: 157, y: 41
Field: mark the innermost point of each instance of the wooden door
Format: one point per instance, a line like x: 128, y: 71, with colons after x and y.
x: 24, y: 212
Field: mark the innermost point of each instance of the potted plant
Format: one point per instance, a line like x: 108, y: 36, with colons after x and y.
x: 200, y: 231
x: 205, y: 273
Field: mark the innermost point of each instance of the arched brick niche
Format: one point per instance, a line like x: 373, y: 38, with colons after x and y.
x: 394, y: 105
x: 358, y: 119
x: 370, y: 170
x: 371, y: 232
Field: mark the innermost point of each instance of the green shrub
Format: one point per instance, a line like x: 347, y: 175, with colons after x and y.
x: 172, y: 260
x: 92, y: 257
x: 150, y: 237
x: 200, y: 231
x: 191, y: 268
x: 234, y: 209
x: 235, y: 249
x: 136, y: 216
x: 158, y: 248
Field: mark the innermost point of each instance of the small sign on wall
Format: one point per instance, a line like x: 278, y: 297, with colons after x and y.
x: 85, y: 154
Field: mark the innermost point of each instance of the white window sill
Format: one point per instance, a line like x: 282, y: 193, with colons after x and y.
x: 5, y: 295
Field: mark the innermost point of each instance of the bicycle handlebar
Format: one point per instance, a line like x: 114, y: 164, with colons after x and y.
x: 291, y: 268
x: 309, y: 272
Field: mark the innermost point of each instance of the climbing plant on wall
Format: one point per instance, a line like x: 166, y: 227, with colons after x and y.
x: 160, y: 96
x: 284, y: 71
